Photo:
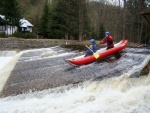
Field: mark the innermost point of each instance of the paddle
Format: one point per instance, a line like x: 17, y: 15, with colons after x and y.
x: 96, y: 55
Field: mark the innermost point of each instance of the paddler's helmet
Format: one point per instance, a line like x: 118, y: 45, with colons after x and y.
x: 107, y: 33
x: 92, y: 41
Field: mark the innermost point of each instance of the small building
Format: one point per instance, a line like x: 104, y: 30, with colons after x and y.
x: 25, y: 26
x: 2, y: 16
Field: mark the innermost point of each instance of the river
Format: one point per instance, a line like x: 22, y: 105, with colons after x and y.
x: 112, y: 85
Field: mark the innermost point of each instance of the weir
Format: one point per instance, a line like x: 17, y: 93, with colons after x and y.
x: 39, y: 80
x: 39, y: 69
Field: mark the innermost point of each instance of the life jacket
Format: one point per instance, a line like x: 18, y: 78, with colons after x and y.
x: 93, y: 47
x: 109, y: 40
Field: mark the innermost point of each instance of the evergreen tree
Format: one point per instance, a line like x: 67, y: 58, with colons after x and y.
x: 44, y: 27
x: 2, y: 7
x: 58, y: 19
x: 102, y: 31
x: 94, y: 35
x: 12, y: 11
x: 65, y: 19
x: 72, y: 21
x: 86, y: 22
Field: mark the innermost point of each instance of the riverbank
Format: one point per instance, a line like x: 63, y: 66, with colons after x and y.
x: 21, y: 44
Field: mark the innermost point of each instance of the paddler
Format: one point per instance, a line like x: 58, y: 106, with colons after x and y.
x: 92, y: 48
x: 109, y: 40
x: 139, y: 45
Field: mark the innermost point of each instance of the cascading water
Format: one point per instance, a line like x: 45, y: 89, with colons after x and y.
x: 8, y: 60
x: 108, y: 86
x: 6, y: 56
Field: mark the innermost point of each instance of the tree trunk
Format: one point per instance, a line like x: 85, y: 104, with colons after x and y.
x: 146, y: 35
x: 131, y: 35
x: 119, y: 3
x: 141, y: 33
x: 124, y: 19
x: 81, y: 2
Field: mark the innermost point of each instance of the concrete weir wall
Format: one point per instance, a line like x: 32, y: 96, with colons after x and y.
x: 17, y: 43
x: 18, y: 77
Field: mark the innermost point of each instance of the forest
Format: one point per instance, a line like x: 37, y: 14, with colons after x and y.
x: 71, y: 19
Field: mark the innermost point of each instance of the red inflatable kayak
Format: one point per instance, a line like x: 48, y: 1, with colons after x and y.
x: 81, y: 60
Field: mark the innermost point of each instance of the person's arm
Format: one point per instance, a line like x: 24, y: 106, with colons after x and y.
x: 103, y: 41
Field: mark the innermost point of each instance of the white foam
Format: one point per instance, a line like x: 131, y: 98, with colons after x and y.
x: 4, y: 61
x: 46, y: 53
x: 6, y: 68
x: 7, y: 53
x: 115, y: 95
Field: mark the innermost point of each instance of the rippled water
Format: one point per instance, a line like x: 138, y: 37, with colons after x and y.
x: 113, y: 66
x: 112, y: 85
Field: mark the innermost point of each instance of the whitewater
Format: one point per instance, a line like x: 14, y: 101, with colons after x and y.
x: 124, y: 92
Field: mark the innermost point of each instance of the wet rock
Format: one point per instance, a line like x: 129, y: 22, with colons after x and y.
x: 146, y: 69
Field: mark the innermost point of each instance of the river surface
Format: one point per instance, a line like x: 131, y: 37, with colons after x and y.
x: 111, y: 85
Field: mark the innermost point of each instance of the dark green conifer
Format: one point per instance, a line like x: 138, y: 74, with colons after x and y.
x: 44, y: 27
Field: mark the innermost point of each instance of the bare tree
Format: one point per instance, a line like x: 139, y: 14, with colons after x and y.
x: 124, y: 19
x: 81, y: 3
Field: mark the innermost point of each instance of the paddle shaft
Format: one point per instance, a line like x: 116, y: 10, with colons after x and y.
x: 90, y: 49
x: 96, y: 55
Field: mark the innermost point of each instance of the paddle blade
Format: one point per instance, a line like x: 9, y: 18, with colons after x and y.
x: 96, y: 55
